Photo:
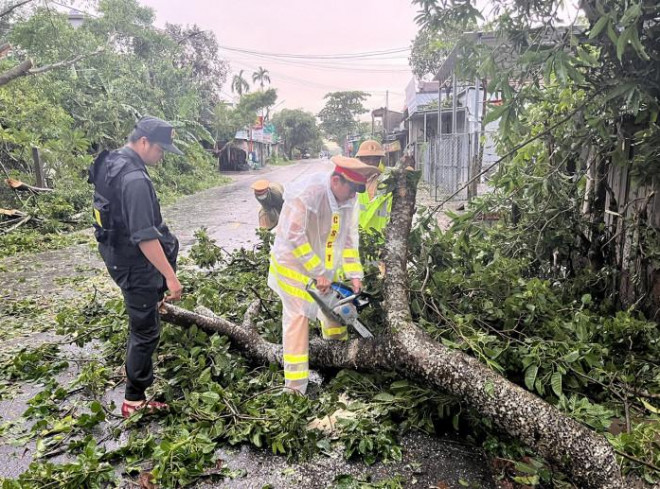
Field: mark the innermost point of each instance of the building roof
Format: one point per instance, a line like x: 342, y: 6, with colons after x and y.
x: 447, y: 68
x: 415, y: 99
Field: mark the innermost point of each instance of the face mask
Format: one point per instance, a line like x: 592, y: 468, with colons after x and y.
x: 262, y: 196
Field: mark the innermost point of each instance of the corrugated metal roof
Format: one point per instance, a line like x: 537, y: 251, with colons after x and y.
x: 420, y: 100
x: 447, y: 68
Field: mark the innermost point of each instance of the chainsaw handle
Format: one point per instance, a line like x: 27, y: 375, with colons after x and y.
x: 313, y: 284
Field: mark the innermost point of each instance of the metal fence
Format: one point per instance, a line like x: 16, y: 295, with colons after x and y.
x: 445, y: 163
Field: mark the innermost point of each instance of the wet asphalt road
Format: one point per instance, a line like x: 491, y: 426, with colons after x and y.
x: 230, y: 215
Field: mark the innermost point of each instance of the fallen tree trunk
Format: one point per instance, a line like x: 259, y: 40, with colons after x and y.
x: 584, y: 455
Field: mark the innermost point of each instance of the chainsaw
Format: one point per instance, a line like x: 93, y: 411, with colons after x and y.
x: 341, y: 305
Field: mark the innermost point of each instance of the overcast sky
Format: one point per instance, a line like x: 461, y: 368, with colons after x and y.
x: 311, y: 28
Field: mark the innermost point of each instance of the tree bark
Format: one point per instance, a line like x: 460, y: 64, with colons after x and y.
x: 583, y: 454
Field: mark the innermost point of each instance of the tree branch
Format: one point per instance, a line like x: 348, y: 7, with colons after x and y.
x: 25, y: 68
x: 17, y: 71
x: 11, y: 8
x: 583, y: 454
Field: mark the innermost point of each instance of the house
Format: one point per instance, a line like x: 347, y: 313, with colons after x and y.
x: 444, y: 123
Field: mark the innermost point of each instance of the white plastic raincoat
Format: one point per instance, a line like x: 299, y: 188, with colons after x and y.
x: 315, y: 237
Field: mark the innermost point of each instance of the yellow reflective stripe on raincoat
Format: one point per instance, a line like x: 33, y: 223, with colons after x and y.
x: 352, y: 267
x: 312, y: 263
x: 329, y: 245
x: 334, y: 331
x: 278, y: 270
x: 304, y: 374
x: 294, y: 291
x: 351, y: 253
x: 97, y: 217
x: 301, y: 250
x: 287, y: 272
x: 295, y: 358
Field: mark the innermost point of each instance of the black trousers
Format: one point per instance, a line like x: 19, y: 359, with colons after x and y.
x: 143, y: 287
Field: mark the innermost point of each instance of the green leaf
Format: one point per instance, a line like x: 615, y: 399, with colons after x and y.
x: 399, y: 384
x: 489, y: 388
x: 631, y: 15
x: 634, y: 40
x: 611, y: 33
x: 571, y: 357
x: 531, y: 480
x: 555, y: 383
x: 598, y: 27
x: 495, y: 113
x: 650, y: 407
x: 619, y: 90
x: 526, y: 468
x: 384, y: 396
x: 622, y: 42
x: 210, y: 397
x: 530, y: 376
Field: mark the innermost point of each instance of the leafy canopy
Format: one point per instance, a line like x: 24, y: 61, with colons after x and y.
x: 298, y: 130
x: 339, y: 116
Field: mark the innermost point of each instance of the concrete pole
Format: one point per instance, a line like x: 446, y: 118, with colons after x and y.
x: 454, y: 141
x: 425, y: 140
x: 38, y: 168
x: 385, y: 119
x: 472, y: 188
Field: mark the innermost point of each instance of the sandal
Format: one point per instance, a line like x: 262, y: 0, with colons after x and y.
x: 151, y: 407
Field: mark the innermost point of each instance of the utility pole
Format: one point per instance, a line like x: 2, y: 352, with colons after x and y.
x: 439, y: 129
x: 387, y: 108
x: 38, y: 167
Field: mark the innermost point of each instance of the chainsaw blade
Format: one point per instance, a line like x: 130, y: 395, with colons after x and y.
x: 362, y: 329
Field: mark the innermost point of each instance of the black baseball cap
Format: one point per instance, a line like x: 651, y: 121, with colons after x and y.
x: 157, y: 131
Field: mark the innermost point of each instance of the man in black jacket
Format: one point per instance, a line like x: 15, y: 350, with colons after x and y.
x: 138, y: 249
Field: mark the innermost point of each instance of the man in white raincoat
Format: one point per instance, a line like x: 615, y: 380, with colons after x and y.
x: 317, y: 237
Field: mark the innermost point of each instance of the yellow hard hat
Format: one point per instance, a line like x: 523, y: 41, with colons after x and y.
x: 260, y: 186
x: 370, y: 148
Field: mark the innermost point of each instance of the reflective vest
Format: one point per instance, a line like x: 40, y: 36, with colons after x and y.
x: 375, y: 213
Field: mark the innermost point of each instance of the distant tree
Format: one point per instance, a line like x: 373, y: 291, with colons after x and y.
x: 240, y: 84
x: 26, y: 67
x: 251, y: 103
x: 339, y: 116
x: 298, y: 130
x: 262, y: 76
x: 227, y: 120
x: 198, y: 52
x: 434, y: 42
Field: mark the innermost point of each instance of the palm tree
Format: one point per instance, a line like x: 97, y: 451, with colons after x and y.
x: 239, y: 84
x: 262, y: 76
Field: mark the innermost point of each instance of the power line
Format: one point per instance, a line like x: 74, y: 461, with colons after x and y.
x: 365, y: 54
x: 353, y: 68
x: 314, y: 85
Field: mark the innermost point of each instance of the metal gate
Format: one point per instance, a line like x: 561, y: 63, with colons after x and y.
x: 445, y: 162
